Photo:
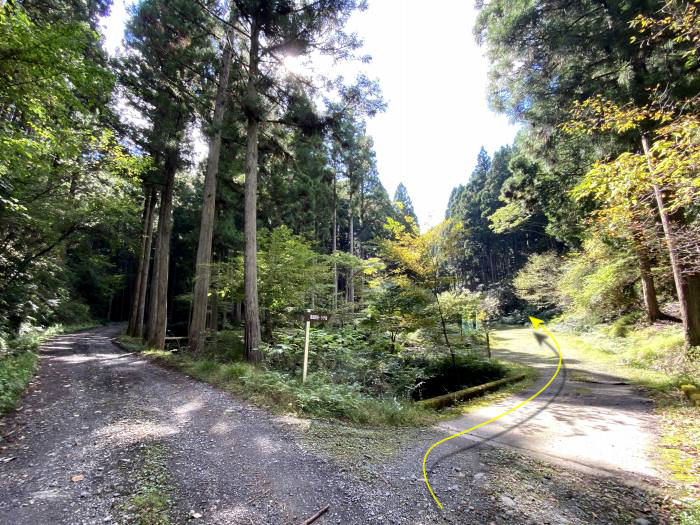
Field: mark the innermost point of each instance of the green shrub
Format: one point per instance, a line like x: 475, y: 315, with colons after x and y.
x: 598, y: 282
x: 622, y: 326
x: 537, y: 283
x: 72, y: 312
x: 354, y: 357
x: 231, y: 372
x: 205, y: 368
x: 15, y: 373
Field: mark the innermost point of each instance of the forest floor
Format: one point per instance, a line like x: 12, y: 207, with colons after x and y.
x: 105, y: 436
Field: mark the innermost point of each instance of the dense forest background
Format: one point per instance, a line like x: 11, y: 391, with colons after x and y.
x: 591, y: 212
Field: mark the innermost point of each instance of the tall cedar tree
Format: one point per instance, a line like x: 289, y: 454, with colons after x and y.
x: 206, y: 228
x: 272, y: 29
x: 166, y: 62
x: 404, y: 205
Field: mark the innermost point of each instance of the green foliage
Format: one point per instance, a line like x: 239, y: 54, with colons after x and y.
x: 580, y: 285
x: 367, y: 362
x: 538, y: 281
x: 15, y: 373
x: 497, y: 226
x: 396, y: 305
x: 611, y: 73
x: 457, y: 307
x: 290, y: 273
x: 596, y: 292
x: 63, y: 171
x: 509, y: 217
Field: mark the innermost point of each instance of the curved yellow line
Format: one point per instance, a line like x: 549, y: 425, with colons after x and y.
x: 425, y: 458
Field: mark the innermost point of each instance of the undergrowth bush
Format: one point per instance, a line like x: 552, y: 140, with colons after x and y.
x: 15, y: 373
x: 366, y: 362
x: 599, y: 292
x: 622, y: 326
x: 319, y: 397
x: 353, y: 374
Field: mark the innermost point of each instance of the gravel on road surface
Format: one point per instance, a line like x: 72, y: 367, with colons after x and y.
x: 75, y: 450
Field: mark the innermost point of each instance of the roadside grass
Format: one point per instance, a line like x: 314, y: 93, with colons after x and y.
x: 16, y: 371
x: 282, y: 392
x: 18, y: 362
x: 652, y: 357
x: 151, y: 502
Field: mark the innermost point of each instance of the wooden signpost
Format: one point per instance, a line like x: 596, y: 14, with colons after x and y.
x: 310, y: 317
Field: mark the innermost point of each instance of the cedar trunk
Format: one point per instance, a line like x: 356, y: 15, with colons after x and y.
x: 139, y: 309
x: 351, y: 273
x: 206, y: 229
x: 252, y: 311
x: 157, y: 317
x: 335, y: 243
x: 250, y: 254
x: 138, y: 283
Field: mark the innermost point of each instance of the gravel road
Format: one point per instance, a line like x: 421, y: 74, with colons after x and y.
x: 73, y: 452
x: 585, y: 417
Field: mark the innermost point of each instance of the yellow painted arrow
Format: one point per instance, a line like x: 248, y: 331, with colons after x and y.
x: 537, y: 323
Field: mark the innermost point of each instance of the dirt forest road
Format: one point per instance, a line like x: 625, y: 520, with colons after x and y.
x: 76, y: 450
x: 586, y: 417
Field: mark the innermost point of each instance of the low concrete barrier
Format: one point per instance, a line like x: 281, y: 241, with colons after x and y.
x: 468, y: 393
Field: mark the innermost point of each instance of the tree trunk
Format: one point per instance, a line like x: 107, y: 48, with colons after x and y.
x: 141, y: 310
x: 206, y: 230
x: 238, y: 312
x: 651, y: 302
x: 444, y: 329
x: 351, y: 273
x: 693, y: 307
x: 109, y: 307
x: 144, y: 259
x: 268, y: 326
x: 335, y: 243
x: 214, y: 315
x: 250, y: 255
x: 687, y: 288
x: 157, y: 317
x: 150, y: 330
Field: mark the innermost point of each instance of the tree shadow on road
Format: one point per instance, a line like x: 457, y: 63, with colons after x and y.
x: 557, y: 392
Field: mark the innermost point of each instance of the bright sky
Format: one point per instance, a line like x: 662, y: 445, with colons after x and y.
x: 433, y: 76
